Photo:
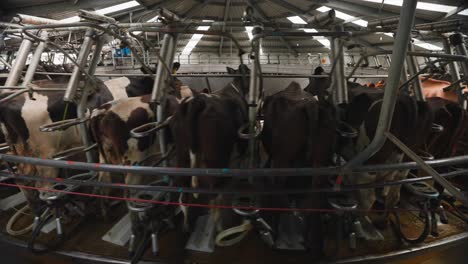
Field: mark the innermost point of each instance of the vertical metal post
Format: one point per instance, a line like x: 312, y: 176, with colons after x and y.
x: 253, y: 94
x: 96, y: 55
x: 35, y: 60
x: 453, y: 68
x: 414, y: 69
x: 167, y: 54
x: 340, y: 90
x: 17, y: 67
x: 457, y: 41
x: 400, y: 48
x: 81, y: 61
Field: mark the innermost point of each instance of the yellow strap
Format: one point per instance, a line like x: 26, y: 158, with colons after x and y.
x: 242, y: 229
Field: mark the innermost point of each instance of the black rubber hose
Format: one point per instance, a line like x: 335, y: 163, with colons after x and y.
x: 35, y: 234
x: 422, y: 236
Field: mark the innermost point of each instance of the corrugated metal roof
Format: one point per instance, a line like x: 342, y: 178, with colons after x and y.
x: 274, y: 10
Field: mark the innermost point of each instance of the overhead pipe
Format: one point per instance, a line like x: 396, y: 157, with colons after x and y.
x: 454, y: 71
x: 34, y: 20
x: 413, y: 68
x: 383, y: 23
x: 400, y: 48
x: 322, y: 18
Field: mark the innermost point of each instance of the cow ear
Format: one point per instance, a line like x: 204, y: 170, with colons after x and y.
x: 230, y: 70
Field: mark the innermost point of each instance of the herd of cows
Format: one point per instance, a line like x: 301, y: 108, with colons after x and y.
x: 301, y: 128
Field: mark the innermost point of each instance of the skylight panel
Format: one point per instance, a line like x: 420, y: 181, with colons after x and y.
x: 104, y: 11
x: 421, y: 5
x: 324, y: 41
x: 421, y: 44
x: 344, y: 16
x: 116, y: 8
x: 297, y: 20
x: 194, y: 40
x: 464, y: 12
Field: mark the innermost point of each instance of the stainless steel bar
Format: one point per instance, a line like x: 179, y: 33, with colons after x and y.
x: 5, y: 62
x: 82, y: 106
x: 341, y: 89
x: 457, y: 41
x: 35, y: 60
x: 81, y: 61
x: 258, y: 172
x: 96, y: 55
x: 253, y: 93
x: 453, y: 69
x: 413, y: 69
x: 17, y: 67
x: 222, y: 75
x: 435, y: 175
x: 400, y: 47
x: 160, y: 71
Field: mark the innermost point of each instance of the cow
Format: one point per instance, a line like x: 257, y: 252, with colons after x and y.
x: 22, y: 116
x: 300, y: 131
x: 205, y: 129
x: 411, y: 123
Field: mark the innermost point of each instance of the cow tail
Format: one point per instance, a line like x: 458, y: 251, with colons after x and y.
x: 94, y: 125
x: 194, y: 108
x: 459, y: 126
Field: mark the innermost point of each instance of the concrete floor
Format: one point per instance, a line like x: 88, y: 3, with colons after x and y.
x: 16, y: 255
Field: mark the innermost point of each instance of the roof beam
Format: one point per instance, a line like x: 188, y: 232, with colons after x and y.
x: 288, y: 6
x: 363, y: 10
x: 460, y: 8
x: 225, y: 16
x: 264, y: 17
x: 195, y: 8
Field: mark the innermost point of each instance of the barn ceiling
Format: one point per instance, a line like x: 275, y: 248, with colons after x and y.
x: 349, y: 11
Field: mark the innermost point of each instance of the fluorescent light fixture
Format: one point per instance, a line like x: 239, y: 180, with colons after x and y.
x: 421, y: 5
x: 297, y: 20
x: 207, y: 20
x: 324, y: 41
x: 344, y: 16
x: 116, y: 8
x: 104, y: 11
x: 420, y: 43
x: 464, y: 12
x: 426, y: 45
x: 194, y: 41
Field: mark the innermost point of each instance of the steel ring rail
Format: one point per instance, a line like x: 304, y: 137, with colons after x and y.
x: 222, y: 206
x: 176, y: 189
x: 226, y: 172
x: 192, y: 31
x: 221, y: 75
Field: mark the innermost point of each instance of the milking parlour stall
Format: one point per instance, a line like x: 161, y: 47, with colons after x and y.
x: 234, y: 131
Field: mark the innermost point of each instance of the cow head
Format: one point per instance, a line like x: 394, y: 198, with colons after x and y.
x: 243, y: 81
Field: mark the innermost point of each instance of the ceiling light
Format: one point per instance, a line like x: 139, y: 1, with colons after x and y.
x: 421, y: 5
x: 297, y: 20
x: 104, y: 11
x: 324, y: 41
x: 194, y: 40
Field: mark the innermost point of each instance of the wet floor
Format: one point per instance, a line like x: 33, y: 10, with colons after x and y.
x: 16, y: 255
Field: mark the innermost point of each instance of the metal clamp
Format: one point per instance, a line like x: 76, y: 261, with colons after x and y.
x: 437, y: 128
x: 149, y: 128
x: 346, y: 130
x: 62, y: 125
x: 258, y: 130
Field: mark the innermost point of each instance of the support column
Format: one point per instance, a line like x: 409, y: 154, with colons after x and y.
x: 81, y: 61
x: 400, y: 48
x: 35, y: 60
x: 453, y: 69
x: 457, y: 41
x: 253, y: 94
x: 413, y: 70
x: 21, y: 57
x: 340, y: 93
